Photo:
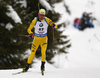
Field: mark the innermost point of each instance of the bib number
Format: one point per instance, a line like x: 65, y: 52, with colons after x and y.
x: 41, y: 30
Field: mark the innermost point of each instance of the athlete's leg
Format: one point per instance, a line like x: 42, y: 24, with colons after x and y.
x: 34, y: 47
x: 33, y: 51
x: 43, y: 53
x: 43, y: 50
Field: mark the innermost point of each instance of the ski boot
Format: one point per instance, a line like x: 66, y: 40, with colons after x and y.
x: 26, y: 68
x: 42, y: 67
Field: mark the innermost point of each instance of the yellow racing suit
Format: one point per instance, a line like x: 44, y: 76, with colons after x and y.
x: 40, y: 37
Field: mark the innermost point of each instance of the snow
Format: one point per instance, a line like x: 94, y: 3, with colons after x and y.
x: 45, y: 4
x: 13, y: 15
x: 23, y: 3
x: 84, y: 52
x: 83, y: 59
x: 58, y: 7
x: 53, y: 73
x: 9, y: 26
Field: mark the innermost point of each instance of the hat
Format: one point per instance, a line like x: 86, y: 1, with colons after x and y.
x: 42, y: 11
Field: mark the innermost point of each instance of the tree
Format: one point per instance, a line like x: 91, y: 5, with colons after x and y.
x: 12, y: 46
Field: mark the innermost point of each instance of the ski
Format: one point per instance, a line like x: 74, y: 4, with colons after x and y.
x: 42, y: 72
x: 18, y: 73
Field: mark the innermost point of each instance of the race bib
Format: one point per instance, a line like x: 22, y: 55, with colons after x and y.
x: 41, y: 28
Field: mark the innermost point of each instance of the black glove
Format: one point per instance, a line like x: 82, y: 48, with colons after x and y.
x: 53, y: 25
x: 31, y: 35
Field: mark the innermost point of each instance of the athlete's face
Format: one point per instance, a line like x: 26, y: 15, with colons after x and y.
x: 41, y: 17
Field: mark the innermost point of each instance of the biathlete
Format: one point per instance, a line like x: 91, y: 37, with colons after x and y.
x: 40, y: 25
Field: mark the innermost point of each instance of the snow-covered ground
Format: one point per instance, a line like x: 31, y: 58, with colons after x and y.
x: 85, y: 51
x: 83, y: 60
x: 54, y: 73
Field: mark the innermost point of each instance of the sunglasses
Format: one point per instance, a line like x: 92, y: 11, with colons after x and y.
x: 41, y: 15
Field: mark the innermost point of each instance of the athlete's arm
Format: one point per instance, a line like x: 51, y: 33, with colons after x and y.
x: 49, y: 22
x: 31, y: 26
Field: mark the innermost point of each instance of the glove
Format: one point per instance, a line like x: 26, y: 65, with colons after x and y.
x: 53, y: 25
x: 31, y: 36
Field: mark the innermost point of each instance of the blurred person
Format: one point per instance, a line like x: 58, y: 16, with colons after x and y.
x: 85, y: 21
x: 77, y: 23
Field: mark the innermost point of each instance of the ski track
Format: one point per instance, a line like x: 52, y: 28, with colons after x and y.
x: 55, y: 73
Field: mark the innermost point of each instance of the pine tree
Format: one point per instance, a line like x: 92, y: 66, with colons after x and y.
x: 12, y: 45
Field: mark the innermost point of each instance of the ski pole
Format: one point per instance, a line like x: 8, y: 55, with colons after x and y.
x: 53, y: 33
x: 30, y: 35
